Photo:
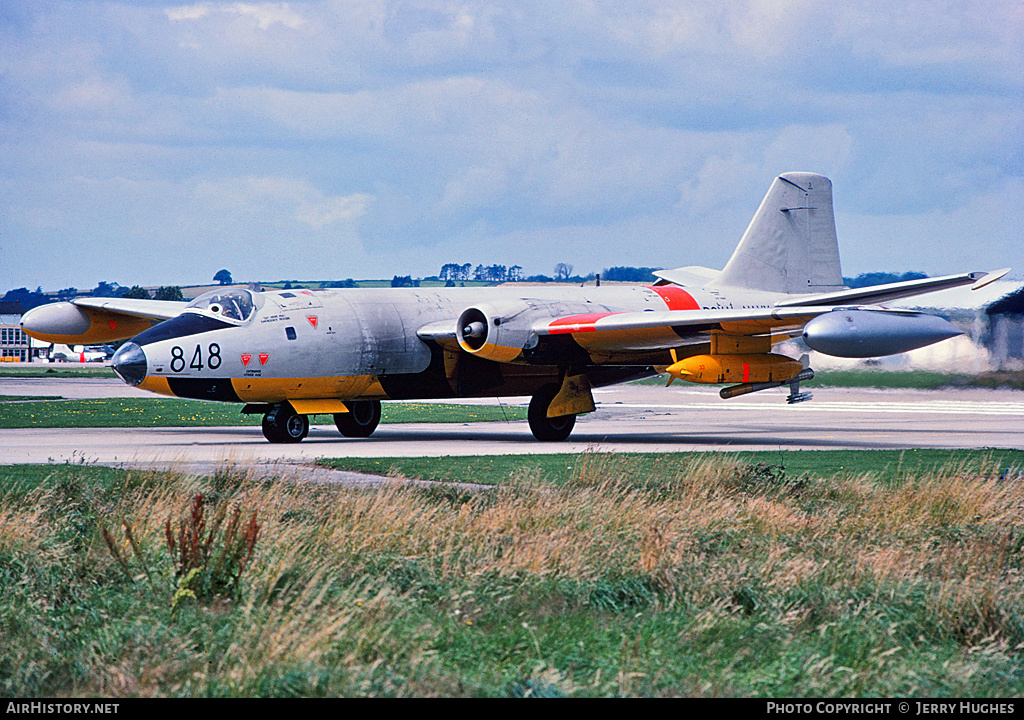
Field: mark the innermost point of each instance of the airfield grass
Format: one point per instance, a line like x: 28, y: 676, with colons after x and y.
x: 174, y: 412
x: 854, y: 377
x: 707, y: 575
x: 887, y: 466
x: 899, y: 379
x: 58, y: 370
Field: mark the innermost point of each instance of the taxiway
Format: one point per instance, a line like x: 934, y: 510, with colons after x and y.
x: 628, y: 419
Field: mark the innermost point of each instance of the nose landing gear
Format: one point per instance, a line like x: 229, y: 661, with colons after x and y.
x: 283, y: 425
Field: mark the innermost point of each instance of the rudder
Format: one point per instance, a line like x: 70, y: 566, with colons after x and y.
x: 790, y: 245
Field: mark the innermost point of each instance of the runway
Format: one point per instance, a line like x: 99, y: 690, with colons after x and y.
x: 628, y: 419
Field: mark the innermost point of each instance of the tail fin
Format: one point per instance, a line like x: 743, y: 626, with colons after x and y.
x: 790, y: 246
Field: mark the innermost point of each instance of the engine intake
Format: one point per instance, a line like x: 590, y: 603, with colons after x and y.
x: 493, y: 333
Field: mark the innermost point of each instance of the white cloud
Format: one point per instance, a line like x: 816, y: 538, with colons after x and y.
x: 264, y: 14
x: 627, y: 133
x: 265, y: 196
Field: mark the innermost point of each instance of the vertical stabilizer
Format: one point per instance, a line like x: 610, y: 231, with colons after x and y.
x: 790, y: 246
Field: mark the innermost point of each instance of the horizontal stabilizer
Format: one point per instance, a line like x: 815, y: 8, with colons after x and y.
x: 690, y: 276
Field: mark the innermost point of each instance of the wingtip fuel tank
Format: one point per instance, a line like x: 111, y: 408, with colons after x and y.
x: 866, y: 333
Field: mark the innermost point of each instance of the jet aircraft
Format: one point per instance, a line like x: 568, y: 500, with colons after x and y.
x: 291, y: 354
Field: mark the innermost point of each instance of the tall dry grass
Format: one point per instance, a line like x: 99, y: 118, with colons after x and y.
x: 753, y: 580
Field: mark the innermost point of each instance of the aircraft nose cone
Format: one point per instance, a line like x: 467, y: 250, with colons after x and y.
x: 129, y: 362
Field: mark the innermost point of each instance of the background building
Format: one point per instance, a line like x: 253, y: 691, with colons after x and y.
x: 14, y: 343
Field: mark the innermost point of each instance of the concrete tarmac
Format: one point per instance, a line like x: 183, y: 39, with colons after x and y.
x: 628, y: 419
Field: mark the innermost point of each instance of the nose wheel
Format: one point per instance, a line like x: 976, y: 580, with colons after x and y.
x: 284, y: 425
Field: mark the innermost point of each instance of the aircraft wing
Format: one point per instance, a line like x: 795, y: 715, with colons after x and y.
x: 629, y: 331
x: 638, y: 331
x: 648, y: 330
x: 97, y: 320
x: 134, y: 307
x: 895, y: 291
x: 503, y: 336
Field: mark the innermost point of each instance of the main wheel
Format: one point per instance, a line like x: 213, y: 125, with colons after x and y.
x: 544, y: 428
x: 362, y: 419
x: 284, y: 425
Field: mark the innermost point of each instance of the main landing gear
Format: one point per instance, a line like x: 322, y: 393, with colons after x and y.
x: 362, y: 419
x: 283, y: 425
x: 544, y: 428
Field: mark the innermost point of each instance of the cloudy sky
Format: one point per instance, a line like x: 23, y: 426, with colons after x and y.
x: 156, y: 143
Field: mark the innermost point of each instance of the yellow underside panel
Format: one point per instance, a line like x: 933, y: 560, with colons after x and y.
x: 498, y: 353
x: 297, y: 389
x: 156, y: 385
x: 635, y: 339
x: 319, y: 407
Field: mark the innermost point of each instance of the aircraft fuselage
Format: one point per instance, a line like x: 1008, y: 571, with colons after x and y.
x: 352, y: 343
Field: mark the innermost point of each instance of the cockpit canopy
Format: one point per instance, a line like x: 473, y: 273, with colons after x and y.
x: 233, y: 304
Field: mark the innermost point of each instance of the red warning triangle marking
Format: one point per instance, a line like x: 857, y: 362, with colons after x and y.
x: 112, y: 324
x: 312, y: 320
x: 246, y: 358
x: 263, y: 358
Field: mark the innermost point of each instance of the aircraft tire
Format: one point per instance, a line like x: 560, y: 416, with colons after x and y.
x: 284, y: 425
x: 361, y: 421
x: 544, y: 428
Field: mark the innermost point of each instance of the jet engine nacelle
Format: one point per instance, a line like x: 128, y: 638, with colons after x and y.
x: 874, y: 333
x: 494, y: 332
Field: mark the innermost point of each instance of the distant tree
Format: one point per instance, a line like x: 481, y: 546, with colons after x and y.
x: 172, y: 292
x: 26, y: 297
x: 67, y: 293
x: 451, y: 271
x: 515, y: 273
x: 105, y: 289
x: 403, y: 281
x: 223, y: 277
x: 136, y: 292
x: 563, y: 271
x: 629, y: 274
x: 881, y: 278
x: 496, y: 273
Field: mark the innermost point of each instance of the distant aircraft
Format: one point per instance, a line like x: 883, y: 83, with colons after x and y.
x: 291, y: 354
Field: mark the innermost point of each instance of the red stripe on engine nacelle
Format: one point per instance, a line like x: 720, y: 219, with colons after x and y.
x: 576, y: 323
x: 675, y: 297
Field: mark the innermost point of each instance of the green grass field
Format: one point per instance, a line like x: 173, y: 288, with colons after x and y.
x: 858, y: 377
x: 58, y: 370
x: 172, y: 412
x: 773, y: 574
x: 705, y: 575
x: 899, y: 379
x: 885, y: 466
